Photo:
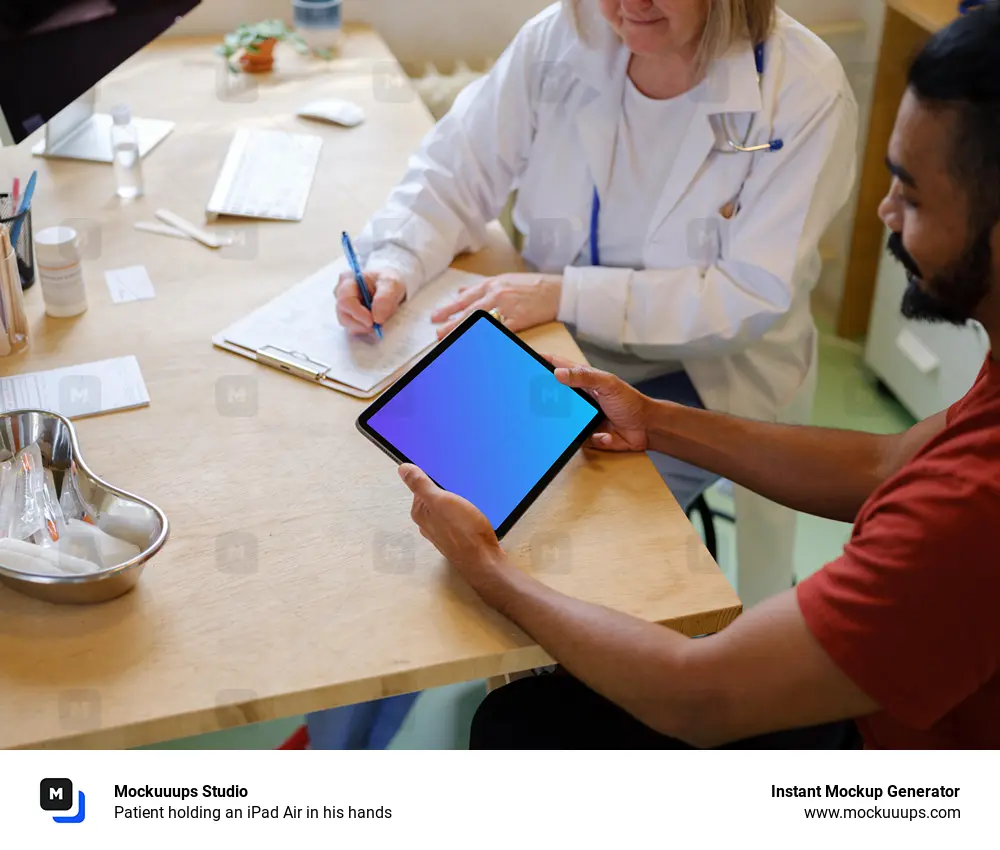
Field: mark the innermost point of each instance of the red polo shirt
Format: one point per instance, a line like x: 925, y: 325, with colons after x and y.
x: 910, y: 611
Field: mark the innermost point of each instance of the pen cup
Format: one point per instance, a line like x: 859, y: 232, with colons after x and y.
x: 25, y: 240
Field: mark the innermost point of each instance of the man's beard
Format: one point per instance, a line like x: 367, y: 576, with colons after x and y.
x: 953, y: 295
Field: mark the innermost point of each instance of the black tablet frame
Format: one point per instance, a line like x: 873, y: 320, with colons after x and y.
x: 536, y: 491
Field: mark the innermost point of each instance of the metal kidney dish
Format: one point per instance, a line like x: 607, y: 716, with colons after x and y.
x: 123, y: 515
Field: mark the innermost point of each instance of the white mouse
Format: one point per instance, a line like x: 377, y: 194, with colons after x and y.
x: 341, y: 112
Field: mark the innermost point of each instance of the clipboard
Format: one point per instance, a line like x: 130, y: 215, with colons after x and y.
x: 270, y: 335
x: 300, y: 365
x: 293, y: 362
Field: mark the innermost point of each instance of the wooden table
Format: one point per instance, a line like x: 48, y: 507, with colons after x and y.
x: 293, y: 579
x: 908, y: 25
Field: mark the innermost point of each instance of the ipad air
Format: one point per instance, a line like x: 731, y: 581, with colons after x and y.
x: 483, y: 415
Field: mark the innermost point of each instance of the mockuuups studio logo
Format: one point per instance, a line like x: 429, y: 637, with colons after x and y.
x: 56, y: 795
x: 391, y: 84
x: 549, y: 399
x: 236, y: 395
x: 79, y: 395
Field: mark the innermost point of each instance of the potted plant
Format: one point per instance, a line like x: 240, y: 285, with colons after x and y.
x: 255, y: 43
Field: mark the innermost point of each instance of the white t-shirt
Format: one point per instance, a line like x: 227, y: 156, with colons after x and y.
x: 650, y: 133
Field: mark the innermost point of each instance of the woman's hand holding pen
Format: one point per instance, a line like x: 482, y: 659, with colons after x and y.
x: 524, y: 300
x: 388, y: 292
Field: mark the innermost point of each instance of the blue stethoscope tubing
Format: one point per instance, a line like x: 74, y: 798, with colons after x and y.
x: 595, y: 214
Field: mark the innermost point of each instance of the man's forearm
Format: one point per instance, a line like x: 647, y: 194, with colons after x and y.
x: 635, y: 664
x: 764, y: 673
x: 819, y: 471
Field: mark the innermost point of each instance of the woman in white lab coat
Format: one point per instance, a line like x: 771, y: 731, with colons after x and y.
x: 680, y: 260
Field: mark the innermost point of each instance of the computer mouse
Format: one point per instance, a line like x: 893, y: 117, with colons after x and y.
x: 341, y: 112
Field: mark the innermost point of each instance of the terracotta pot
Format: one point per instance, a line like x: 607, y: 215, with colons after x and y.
x: 261, y: 60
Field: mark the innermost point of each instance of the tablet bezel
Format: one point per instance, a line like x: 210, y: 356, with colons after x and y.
x: 390, y: 393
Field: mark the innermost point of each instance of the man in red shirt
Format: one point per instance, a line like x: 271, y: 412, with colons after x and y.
x: 896, y: 643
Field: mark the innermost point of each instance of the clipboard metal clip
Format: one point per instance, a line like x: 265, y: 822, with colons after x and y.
x: 293, y: 362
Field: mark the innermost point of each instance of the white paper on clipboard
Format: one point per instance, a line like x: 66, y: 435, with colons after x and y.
x: 301, y: 326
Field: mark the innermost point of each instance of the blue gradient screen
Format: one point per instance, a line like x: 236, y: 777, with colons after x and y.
x: 485, y: 420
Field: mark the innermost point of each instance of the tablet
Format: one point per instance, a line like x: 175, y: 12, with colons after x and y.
x: 484, y: 417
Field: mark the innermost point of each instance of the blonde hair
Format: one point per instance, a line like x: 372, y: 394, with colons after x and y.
x: 729, y: 22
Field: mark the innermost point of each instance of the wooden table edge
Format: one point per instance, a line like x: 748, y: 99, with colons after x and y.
x: 219, y: 719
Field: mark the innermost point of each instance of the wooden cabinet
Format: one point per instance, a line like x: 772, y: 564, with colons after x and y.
x: 927, y: 366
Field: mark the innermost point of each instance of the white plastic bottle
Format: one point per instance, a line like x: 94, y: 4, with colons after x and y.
x: 60, y: 271
x: 125, y: 148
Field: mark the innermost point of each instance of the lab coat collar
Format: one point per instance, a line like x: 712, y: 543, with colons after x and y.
x: 597, y: 120
x: 730, y: 85
x: 595, y: 57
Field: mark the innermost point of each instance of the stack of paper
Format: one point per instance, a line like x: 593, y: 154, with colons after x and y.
x: 303, y: 322
x: 77, y: 391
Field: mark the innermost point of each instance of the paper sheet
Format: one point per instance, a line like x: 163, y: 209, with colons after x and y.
x: 77, y: 391
x: 131, y: 284
x: 304, y: 321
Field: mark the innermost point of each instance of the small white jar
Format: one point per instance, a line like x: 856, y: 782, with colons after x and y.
x: 60, y: 271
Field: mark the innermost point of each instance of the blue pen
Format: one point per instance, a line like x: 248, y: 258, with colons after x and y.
x: 352, y: 258
x: 25, y: 205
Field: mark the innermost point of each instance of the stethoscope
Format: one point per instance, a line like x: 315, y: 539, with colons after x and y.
x: 772, y: 145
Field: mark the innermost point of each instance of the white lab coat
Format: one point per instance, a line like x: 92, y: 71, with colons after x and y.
x: 728, y: 299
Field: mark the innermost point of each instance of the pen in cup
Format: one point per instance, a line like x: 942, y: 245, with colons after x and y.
x: 352, y: 258
x: 23, y: 208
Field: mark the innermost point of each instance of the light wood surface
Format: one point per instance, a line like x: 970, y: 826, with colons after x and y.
x: 932, y: 15
x: 908, y: 24
x: 338, y: 599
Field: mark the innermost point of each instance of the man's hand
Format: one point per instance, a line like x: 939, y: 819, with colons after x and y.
x: 387, y: 291
x: 524, y: 300
x: 458, y: 530
x: 625, y: 408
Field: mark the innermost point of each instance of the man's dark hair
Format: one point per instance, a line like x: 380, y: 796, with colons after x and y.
x: 959, y: 70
